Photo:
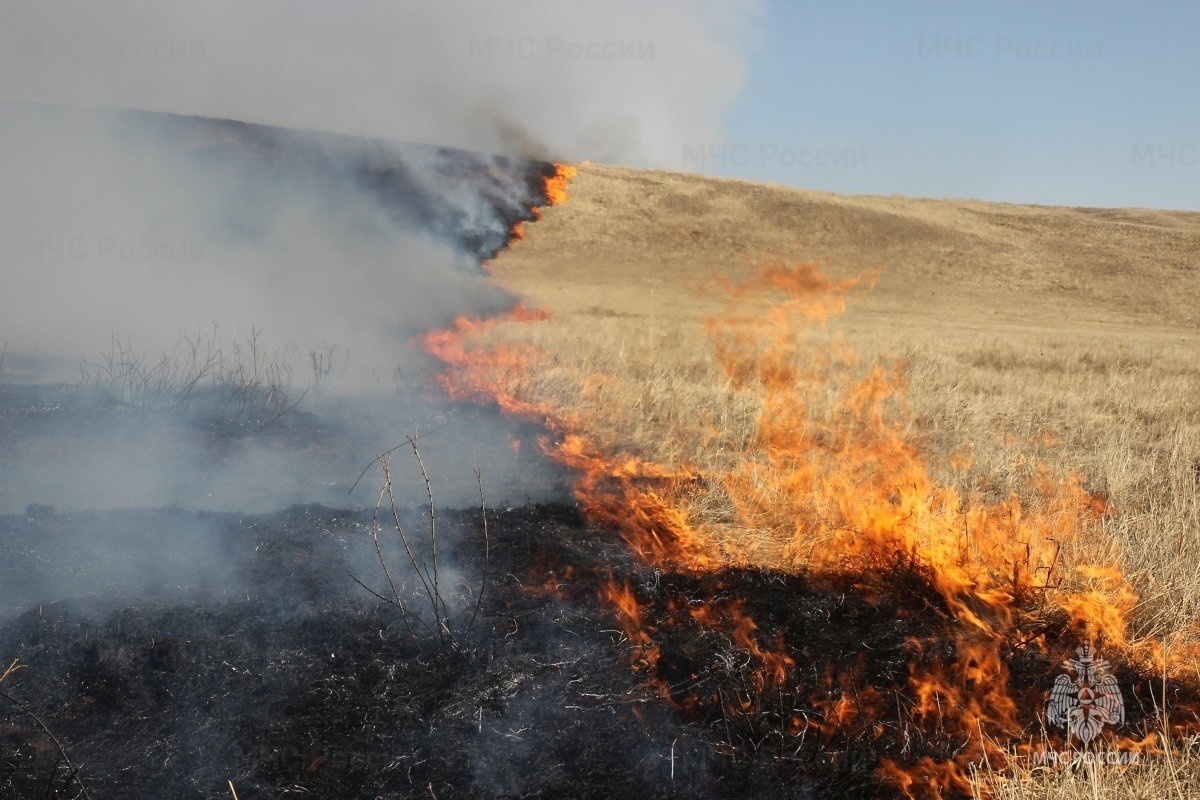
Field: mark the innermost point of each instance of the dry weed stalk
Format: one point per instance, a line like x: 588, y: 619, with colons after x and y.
x: 429, y: 576
x: 246, y: 383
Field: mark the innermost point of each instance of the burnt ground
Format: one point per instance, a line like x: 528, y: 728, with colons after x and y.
x: 291, y: 680
x: 280, y: 673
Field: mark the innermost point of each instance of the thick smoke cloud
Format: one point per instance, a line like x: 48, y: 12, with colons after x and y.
x: 145, y: 227
x: 620, y: 81
x: 122, y: 232
x: 140, y: 239
x: 105, y: 234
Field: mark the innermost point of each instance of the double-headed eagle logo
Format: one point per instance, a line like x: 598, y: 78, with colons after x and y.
x: 1086, y: 697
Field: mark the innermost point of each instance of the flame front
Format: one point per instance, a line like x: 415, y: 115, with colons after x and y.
x: 843, y: 491
x: 556, y: 184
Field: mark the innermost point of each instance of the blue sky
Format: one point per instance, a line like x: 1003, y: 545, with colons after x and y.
x: 1064, y: 103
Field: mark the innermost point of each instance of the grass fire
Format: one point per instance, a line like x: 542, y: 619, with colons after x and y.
x: 632, y: 483
x: 728, y: 426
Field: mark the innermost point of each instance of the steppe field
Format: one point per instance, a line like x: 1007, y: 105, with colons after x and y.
x: 1017, y: 342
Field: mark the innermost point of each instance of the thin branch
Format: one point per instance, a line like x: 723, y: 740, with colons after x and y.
x: 375, y: 534
x: 487, y: 549
x: 428, y: 574
x: 13, y: 667
x: 409, y: 439
x: 396, y: 599
x: 439, y: 615
x: 412, y: 557
x: 370, y: 464
x: 73, y: 772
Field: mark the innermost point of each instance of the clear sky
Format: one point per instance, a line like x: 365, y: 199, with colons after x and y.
x: 1057, y: 102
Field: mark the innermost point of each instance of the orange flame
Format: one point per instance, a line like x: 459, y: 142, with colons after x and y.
x: 556, y: 184
x: 841, y: 492
x: 629, y: 612
x: 477, y: 372
x: 855, y: 495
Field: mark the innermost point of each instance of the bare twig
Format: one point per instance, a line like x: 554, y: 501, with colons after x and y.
x: 412, y: 557
x: 13, y: 667
x: 438, y: 615
x: 429, y: 574
x: 388, y: 492
x: 72, y: 770
x: 487, y: 549
x: 388, y: 452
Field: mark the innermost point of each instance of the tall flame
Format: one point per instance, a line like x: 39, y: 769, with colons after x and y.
x: 556, y: 184
x: 839, y: 490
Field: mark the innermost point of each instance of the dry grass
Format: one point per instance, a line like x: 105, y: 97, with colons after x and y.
x: 1025, y: 335
x: 1122, y: 416
x: 1170, y: 774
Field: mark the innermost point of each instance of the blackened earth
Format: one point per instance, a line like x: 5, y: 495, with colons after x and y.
x: 298, y: 682
x: 287, y: 678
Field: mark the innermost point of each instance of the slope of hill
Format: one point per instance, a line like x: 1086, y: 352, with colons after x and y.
x: 629, y: 231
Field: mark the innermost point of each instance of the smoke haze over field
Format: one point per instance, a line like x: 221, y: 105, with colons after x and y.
x: 104, y: 232
x: 112, y: 229
x: 123, y: 231
x: 145, y: 253
x: 618, y: 81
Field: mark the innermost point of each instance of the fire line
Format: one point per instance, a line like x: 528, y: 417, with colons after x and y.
x: 849, y: 500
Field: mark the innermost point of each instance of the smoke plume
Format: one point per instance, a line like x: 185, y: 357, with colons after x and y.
x: 223, y: 225
x: 616, y: 81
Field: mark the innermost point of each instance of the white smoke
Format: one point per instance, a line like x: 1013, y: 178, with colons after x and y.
x: 106, y: 232
x: 112, y: 228
x: 621, y: 80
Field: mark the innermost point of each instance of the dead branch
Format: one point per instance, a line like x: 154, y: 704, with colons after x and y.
x: 487, y: 548
x: 438, y: 616
x: 429, y: 574
x: 72, y: 770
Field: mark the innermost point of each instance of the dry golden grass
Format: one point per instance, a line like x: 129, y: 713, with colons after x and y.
x: 1026, y: 335
x: 1171, y: 774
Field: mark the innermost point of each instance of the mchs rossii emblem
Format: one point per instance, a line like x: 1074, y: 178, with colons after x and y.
x: 1086, y: 697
